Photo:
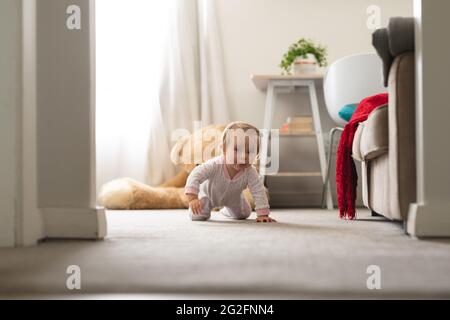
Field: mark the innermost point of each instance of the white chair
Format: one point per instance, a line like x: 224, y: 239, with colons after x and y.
x: 349, y: 80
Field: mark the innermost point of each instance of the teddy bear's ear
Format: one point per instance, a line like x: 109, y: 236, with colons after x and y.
x: 177, y: 151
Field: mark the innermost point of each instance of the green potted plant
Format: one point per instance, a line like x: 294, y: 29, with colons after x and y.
x: 304, y: 56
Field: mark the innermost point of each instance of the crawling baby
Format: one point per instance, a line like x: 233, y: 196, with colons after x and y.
x: 220, y: 182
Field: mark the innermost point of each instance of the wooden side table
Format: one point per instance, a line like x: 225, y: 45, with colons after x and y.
x: 274, y: 84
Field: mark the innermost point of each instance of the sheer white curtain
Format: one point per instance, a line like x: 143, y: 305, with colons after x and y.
x: 129, y: 40
x: 193, y: 80
x: 214, y: 104
x: 159, y: 68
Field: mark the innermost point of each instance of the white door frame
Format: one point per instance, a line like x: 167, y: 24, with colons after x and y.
x: 10, y: 103
x: 25, y: 217
x: 65, y: 98
x: 430, y: 216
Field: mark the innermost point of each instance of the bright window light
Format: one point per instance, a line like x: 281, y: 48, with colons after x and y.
x: 130, y: 37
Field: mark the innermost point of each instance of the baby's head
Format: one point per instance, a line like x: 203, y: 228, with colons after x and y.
x: 240, y: 142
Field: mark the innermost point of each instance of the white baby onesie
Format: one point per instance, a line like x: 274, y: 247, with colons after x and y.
x: 214, y: 186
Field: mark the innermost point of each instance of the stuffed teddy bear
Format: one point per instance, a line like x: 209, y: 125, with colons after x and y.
x: 128, y: 194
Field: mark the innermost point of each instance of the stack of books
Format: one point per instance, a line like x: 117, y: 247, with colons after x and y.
x: 298, y: 125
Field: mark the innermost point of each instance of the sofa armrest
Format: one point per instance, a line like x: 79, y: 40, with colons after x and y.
x: 372, y: 136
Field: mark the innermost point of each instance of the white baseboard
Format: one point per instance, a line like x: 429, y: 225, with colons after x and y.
x: 429, y: 220
x: 74, y: 223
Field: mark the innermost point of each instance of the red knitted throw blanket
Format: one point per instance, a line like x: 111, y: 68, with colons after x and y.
x: 346, y: 176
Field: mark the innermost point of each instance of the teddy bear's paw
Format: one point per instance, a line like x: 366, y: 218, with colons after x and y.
x: 116, y: 194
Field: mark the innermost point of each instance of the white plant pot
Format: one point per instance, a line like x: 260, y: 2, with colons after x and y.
x: 305, y: 65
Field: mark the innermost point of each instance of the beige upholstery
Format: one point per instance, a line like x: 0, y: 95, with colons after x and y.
x: 402, y: 135
x: 385, y: 143
x: 372, y: 136
x: 376, y: 191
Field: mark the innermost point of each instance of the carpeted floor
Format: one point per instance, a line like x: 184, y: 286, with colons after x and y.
x: 308, y: 254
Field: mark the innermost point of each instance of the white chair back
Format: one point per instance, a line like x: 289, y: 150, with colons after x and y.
x: 350, y: 80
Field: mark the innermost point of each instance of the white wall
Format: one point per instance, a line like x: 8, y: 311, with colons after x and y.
x: 10, y: 101
x: 256, y: 33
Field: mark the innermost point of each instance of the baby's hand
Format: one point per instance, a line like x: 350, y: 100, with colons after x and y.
x: 196, y: 206
x: 265, y: 219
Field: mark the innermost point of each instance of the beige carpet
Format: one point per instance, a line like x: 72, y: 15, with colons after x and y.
x: 309, y: 253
